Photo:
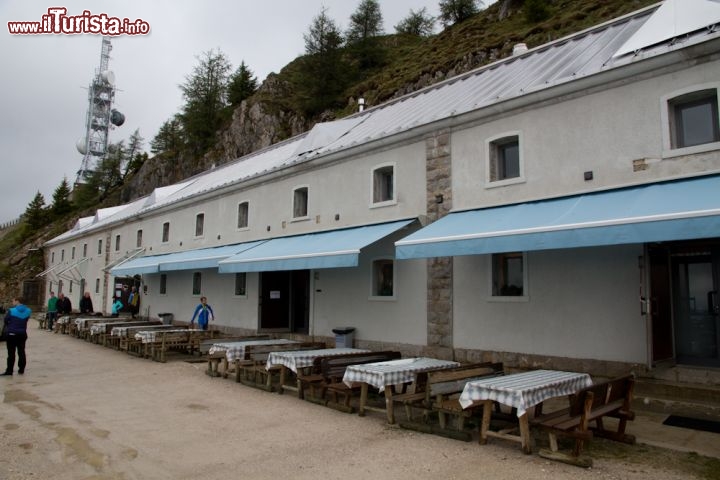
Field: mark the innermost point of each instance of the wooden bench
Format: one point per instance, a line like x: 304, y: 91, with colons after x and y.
x: 253, y: 371
x: 332, y: 370
x: 185, y: 342
x: 612, y: 398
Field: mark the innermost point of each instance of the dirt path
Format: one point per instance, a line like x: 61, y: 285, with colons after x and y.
x: 83, y: 411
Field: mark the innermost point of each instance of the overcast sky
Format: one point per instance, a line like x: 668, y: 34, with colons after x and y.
x: 44, y: 80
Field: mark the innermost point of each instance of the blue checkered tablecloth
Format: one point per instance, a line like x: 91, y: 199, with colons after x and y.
x: 235, y: 350
x: 297, y: 359
x: 524, y: 390
x: 393, y: 372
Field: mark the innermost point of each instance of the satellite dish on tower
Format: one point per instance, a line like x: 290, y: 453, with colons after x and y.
x: 116, y: 118
x: 108, y: 77
x: 81, y: 146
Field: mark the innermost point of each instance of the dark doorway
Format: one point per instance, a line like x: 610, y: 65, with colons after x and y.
x: 285, y: 301
x: 660, y: 304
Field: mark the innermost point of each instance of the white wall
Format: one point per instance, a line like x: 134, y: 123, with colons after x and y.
x: 582, y: 303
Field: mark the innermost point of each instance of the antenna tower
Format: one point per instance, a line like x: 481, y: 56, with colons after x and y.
x: 100, y: 115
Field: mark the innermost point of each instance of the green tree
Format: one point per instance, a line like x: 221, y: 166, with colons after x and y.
x: 366, y: 22
x: 322, y: 72
x: 205, y: 95
x: 133, y: 157
x: 418, y: 23
x: 61, y: 199
x: 242, y: 85
x: 170, y: 138
x: 107, y: 173
x: 455, y: 11
x: 35, y: 215
x: 536, y: 10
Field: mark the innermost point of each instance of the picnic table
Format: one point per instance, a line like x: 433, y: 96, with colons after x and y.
x: 299, y: 359
x: 385, y: 375
x: 227, y: 352
x: 521, y: 391
x: 157, y: 342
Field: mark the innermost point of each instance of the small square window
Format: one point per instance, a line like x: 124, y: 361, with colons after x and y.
x: 199, y: 224
x: 117, y: 243
x: 242, y: 218
x: 508, y: 276
x: 300, y: 202
x: 166, y: 232
x: 163, y: 284
x: 504, y: 157
x: 197, y: 283
x: 384, y: 184
x: 240, y: 284
x: 138, y: 240
x: 383, y: 278
x: 694, y: 119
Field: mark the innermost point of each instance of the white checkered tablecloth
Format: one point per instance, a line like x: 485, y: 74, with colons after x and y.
x: 122, y: 331
x: 149, y: 336
x: 235, y: 350
x: 524, y: 390
x: 97, y: 328
x: 297, y: 359
x: 81, y: 321
x: 64, y: 319
x: 393, y: 372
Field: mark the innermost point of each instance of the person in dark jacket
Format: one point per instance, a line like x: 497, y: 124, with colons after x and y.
x: 64, y: 306
x: 86, y: 305
x: 16, y: 321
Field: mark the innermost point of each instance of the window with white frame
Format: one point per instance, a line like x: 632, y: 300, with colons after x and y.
x: 138, y: 239
x: 693, y: 119
x: 97, y: 285
x: 166, y: 232
x: 240, y: 284
x: 199, y: 224
x: 84, y: 250
x: 300, y: 202
x: 242, y: 216
x: 383, y: 278
x: 504, y: 162
x: 117, y: 243
x: 197, y: 283
x: 384, y: 184
x: 163, y: 284
x: 99, y: 246
x: 508, y: 275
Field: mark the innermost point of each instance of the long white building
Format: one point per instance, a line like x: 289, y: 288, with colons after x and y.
x: 558, y: 208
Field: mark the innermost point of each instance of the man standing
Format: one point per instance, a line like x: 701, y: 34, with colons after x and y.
x: 51, y: 311
x: 64, y: 306
x: 16, y: 321
x: 86, y: 305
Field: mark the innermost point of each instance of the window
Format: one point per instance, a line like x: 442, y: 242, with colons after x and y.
x: 694, y: 119
x: 138, y: 240
x: 52, y: 257
x: 163, y: 284
x: 240, y: 281
x: 504, y: 158
x: 199, y: 224
x: 166, y: 232
x: 70, y: 287
x: 62, y: 255
x: 50, y: 286
x: 99, y: 246
x: 242, y: 219
x: 384, y: 184
x: 197, y: 283
x: 72, y: 254
x: 117, y: 243
x: 300, y: 202
x: 97, y: 285
x: 60, y: 286
x: 508, y: 275
x: 383, y: 273
x: 84, y: 250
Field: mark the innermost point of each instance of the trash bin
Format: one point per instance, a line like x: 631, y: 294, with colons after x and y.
x: 344, y: 337
x: 167, y: 318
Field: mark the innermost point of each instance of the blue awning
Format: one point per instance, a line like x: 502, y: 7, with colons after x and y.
x: 678, y: 210
x: 332, y: 249
x: 187, y: 260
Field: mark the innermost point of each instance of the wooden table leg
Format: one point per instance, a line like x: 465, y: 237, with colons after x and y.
x: 389, y: 406
x: 525, y: 433
x: 283, y: 369
x: 485, y: 424
x: 363, y: 399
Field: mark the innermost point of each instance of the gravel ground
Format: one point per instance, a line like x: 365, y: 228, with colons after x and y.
x: 86, y: 412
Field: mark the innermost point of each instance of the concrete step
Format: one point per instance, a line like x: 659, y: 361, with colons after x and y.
x: 678, y: 398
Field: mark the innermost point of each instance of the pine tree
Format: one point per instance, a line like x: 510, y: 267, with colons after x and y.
x: 366, y: 22
x: 35, y: 215
x: 61, y: 199
x: 170, y: 138
x: 455, y: 11
x: 242, y: 85
x: 133, y: 158
x: 417, y: 23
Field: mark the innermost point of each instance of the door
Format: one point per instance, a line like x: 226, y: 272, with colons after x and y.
x: 660, y: 307
x: 285, y: 301
x: 695, y: 306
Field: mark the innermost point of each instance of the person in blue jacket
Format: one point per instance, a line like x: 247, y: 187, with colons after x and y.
x: 16, y: 321
x: 115, y: 308
x: 203, y: 312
